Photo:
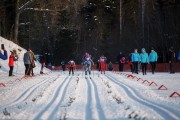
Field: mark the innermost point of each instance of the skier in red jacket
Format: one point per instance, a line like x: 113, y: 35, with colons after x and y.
x: 102, y: 61
x: 12, y: 58
x: 71, y: 66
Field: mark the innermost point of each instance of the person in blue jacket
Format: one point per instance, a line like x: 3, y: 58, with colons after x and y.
x: 4, y: 56
x: 135, y: 60
x: 144, y: 59
x: 179, y: 56
x: 153, y: 57
x: 87, y: 63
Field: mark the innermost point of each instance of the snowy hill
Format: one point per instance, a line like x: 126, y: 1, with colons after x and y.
x: 19, y: 65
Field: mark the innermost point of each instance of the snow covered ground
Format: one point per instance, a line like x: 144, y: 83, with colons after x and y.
x: 113, y: 96
x: 57, y: 95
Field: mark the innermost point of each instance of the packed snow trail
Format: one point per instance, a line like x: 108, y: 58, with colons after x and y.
x: 60, y: 96
x: 56, y: 97
x: 100, y: 111
x: 89, y: 102
x: 93, y: 93
x: 29, y: 91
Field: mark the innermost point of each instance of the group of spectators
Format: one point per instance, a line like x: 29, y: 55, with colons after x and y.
x: 137, y: 60
x: 28, y: 59
x: 29, y: 62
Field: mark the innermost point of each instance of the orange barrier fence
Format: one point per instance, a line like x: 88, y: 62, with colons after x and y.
x: 161, y: 87
x: 161, y: 67
x: 10, y: 82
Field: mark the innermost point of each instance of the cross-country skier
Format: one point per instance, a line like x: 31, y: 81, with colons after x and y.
x: 63, y: 64
x: 85, y: 56
x: 87, y: 63
x: 102, y: 61
x: 71, y: 64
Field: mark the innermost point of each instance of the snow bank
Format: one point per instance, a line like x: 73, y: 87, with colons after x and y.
x: 19, y: 65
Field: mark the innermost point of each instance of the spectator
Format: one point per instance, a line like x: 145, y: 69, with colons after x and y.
x: 43, y: 62
x: 27, y: 62
x: 179, y: 56
x: 12, y: 58
x: 129, y: 62
x: 98, y: 66
x: 153, y: 57
x: 121, y: 65
x: 110, y: 66
x: 33, y: 59
x: 5, y: 55
x: 135, y: 60
x: 144, y: 59
x: 172, y: 58
x: 122, y: 62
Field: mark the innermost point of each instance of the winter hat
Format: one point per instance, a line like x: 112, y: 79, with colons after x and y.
x: 12, y: 52
x: 143, y: 49
x: 87, y: 55
x: 28, y: 49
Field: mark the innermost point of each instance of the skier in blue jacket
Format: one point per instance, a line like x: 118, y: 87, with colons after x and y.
x: 144, y: 59
x: 87, y: 63
x: 153, y: 57
x: 135, y: 60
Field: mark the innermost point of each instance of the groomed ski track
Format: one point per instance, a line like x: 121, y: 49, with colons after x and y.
x: 60, y: 96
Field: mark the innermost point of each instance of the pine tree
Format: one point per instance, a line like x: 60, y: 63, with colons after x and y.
x: 65, y: 39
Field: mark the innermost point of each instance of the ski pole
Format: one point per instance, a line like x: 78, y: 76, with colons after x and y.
x: 93, y: 73
x: 82, y: 71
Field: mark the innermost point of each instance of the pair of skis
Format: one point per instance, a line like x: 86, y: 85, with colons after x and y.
x: 86, y: 77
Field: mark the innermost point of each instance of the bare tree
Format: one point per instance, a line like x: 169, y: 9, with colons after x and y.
x: 19, y: 10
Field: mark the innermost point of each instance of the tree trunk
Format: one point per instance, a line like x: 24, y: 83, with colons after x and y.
x: 142, y: 18
x: 16, y: 26
x: 120, y: 20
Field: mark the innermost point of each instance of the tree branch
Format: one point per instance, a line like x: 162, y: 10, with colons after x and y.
x: 25, y: 5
